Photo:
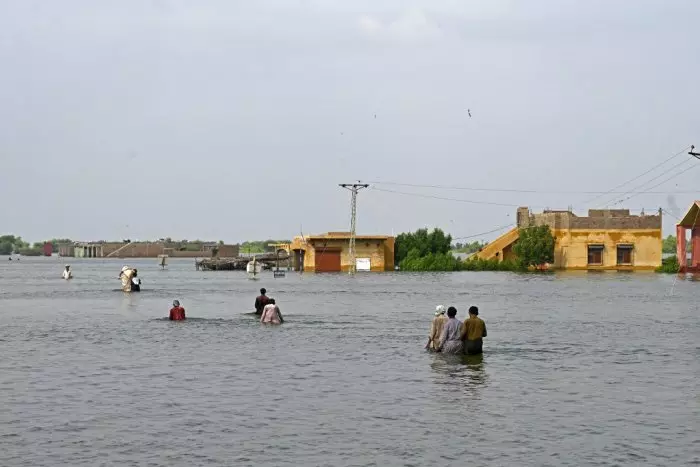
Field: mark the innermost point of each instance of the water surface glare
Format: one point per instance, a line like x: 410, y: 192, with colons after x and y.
x: 579, y: 369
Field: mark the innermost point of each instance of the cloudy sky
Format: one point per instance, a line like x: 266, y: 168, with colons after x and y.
x: 236, y: 120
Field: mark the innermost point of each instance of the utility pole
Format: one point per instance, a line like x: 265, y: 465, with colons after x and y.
x: 354, y: 188
x: 694, y: 154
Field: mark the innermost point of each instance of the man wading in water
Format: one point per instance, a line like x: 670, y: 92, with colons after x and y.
x: 436, y: 328
x: 451, y: 338
x: 473, y: 332
x: 261, y: 301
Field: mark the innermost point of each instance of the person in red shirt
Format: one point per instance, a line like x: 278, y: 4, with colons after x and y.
x: 177, y: 313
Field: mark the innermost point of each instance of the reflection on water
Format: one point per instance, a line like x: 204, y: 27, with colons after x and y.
x: 578, y: 369
x: 462, y: 373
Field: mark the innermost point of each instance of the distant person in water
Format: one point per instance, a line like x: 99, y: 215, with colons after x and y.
x: 261, y: 301
x: 67, y: 274
x: 474, y: 332
x: 436, y: 328
x: 177, y: 313
x: 271, y: 313
x: 451, y: 339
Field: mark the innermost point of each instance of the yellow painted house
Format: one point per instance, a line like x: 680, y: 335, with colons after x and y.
x: 330, y: 252
x: 605, y: 239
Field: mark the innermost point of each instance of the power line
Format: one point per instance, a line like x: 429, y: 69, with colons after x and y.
x: 640, y: 175
x: 664, y: 181
x: 513, y: 190
x: 483, y: 233
x: 458, y: 200
x: 421, y: 195
x: 634, y: 190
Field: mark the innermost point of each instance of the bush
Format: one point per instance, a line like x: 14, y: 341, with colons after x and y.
x: 478, y: 264
x: 31, y: 251
x: 669, y: 265
x: 430, y: 262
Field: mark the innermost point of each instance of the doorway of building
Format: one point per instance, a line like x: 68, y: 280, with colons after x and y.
x: 328, y: 260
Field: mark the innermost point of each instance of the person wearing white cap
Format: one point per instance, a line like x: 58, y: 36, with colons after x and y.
x: 436, y: 327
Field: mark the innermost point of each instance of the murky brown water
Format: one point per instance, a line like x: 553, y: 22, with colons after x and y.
x: 579, y: 369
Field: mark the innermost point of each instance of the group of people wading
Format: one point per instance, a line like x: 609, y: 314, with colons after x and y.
x: 267, y: 309
x: 264, y: 306
x: 452, y: 336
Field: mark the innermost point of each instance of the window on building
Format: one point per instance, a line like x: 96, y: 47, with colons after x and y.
x: 595, y: 255
x: 624, y: 254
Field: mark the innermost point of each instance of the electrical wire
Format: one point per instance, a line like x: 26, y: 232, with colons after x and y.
x: 512, y: 190
x: 634, y: 190
x: 483, y: 233
x: 662, y: 182
x: 670, y: 214
x: 639, y: 176
x: 421, y: 195
x: 459, y: 200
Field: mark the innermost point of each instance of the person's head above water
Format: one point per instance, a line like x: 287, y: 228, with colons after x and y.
x: 67, y: 267
x: 473, y: 311
x: 272, y: 301
x: 176, y: 303
x: 263, y: 291
x: 452, y: 312
x: 440, y: 310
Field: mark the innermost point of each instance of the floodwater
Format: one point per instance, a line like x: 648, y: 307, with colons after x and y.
x: 580, y: 369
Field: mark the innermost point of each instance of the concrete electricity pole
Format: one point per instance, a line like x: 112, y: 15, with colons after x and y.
x: 354, y: 188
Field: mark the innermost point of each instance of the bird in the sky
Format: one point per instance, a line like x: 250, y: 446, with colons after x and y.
x: 469, y: 112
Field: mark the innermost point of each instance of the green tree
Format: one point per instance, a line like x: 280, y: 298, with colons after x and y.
x: 669, y: 244
x: 423, y: 242
x: 15, y: 243
x: 535, y: 246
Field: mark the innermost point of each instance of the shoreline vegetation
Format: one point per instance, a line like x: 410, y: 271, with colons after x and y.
x: 424, y: 251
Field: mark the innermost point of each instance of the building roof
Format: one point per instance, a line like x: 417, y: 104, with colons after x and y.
x: 692, y: 217
x: 346, y: 236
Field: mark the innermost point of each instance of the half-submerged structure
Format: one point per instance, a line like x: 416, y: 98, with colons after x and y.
x: 606, y: 239
x: 691, y: 221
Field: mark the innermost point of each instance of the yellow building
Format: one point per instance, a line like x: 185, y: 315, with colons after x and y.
x: 330, y: 252
x: 605, y: 239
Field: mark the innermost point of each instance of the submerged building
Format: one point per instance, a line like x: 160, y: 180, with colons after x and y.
x: 330, y: 252
x: 691, y: 221
x: 605, y: 239
x: 143, y: 250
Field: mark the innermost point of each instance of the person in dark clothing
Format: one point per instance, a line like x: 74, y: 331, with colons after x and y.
x: 177, y: 313
x: 473, y: 333
x: 261, y: 301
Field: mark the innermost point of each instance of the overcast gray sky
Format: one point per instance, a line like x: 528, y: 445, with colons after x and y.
x: 236, y: 120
